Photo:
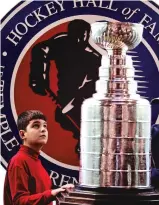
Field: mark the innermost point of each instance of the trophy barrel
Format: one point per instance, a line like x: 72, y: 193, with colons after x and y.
x: 115, y: 143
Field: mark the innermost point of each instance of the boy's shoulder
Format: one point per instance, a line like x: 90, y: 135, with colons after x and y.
x: 18, y: 160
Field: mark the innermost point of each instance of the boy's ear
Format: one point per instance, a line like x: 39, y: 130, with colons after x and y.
x: 22, y: 134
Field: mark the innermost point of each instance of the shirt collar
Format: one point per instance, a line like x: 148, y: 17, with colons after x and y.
x: 29, y: 151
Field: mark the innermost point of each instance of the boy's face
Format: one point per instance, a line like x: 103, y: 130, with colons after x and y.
x: 36, y: 133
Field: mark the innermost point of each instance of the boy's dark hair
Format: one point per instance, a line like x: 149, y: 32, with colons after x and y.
x: 25, y: 117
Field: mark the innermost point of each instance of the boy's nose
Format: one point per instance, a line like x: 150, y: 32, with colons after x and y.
x: 43, y: 129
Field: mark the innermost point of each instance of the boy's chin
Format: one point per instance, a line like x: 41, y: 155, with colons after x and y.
x: 42, y: 142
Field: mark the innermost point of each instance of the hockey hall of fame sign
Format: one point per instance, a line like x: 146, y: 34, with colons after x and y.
x: 49, y: 63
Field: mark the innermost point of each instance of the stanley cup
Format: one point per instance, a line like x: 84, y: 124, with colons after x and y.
x: 115, y: 123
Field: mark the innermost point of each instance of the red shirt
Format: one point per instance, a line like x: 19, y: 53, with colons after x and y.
x: 27, y: 182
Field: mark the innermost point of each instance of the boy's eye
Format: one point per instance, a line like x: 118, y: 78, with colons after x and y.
x: 36, y: 126
x: 45, y: 125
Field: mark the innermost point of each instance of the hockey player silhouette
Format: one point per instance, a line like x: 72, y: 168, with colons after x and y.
x: 77, y: 63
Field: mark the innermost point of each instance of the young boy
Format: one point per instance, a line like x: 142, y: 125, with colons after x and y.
x: 27, y: 182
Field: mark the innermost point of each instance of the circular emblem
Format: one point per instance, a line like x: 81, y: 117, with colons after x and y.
x: 50, y: 63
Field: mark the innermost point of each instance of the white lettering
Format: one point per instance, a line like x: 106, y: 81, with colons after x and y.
x: 64, y: 180
x: 60, y: 4
x: 107, y: 7
x: 4, y: 130
x: 38, y: 15
x: 13, y: 142
x: 157, y: 37
x: 75, y: 1
x: 50, y: 8
x: 1, y: 91
x: 1, y: 85
x: 21, y: 26
x: 4, y: 124
x: 91, y: 2
x: 151, y: 27
x: 74, y: 180
x: 127, y: 11
x: 146, y: 19
x: 61, y: 179
x: 12, y: 39
x: 54, y: 175
x: 29, y: 24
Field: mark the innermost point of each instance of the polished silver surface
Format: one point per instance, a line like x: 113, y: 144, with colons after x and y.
x: 115, y: 122
x: 110, y: 35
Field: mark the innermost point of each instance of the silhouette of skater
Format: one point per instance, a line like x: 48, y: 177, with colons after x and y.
x: 77, y: 63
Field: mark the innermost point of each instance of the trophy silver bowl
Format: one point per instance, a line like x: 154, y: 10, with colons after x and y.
x: 115, y: 122
x: 124, y: 36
